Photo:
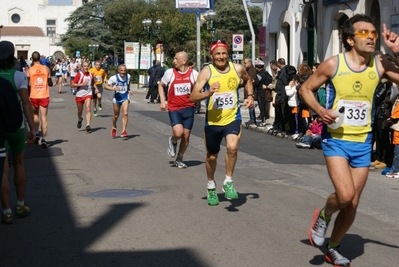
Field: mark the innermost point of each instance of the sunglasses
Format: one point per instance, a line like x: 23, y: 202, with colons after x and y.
x: 366, y: 34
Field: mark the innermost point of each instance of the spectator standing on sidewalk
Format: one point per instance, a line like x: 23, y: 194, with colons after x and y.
x: 251, y: 70
x: 262, y: 80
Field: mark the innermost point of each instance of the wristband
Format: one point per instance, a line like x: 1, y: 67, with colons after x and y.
x: 253, y: 96
x: 396, y: 54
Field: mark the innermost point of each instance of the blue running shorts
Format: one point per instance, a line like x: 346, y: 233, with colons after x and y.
x: 357, y: 154
x: 213, y: 135
x: 183, y: 116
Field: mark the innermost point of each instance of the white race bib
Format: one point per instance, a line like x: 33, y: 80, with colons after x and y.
x: 356, y: 112
x: 224, y: 100
x: 182, y: 89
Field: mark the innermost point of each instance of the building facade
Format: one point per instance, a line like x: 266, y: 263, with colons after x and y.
x: 36, y: 25
x: 308, y: 31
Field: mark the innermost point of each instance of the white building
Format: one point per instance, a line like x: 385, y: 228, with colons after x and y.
x: 307, y: 31
x: 36, y: 25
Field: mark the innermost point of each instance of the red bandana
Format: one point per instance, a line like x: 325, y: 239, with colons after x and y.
x: 218, y: 44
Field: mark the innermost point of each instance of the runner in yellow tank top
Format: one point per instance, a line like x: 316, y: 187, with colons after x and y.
x: 223, y: 120
x: 351, y: 81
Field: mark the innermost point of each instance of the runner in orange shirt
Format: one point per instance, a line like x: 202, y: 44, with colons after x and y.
x: 39, y: 80
x: 100, y: 76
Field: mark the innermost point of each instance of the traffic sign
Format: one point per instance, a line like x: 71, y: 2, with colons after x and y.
x: 238, y: 42
x: 238, y: 56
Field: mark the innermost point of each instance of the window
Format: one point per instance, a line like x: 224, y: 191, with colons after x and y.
x: 15, y: 18
x: 51, y: 28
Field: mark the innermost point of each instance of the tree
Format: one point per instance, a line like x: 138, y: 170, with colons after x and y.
x: 231, y: 18
x: 87, y: 25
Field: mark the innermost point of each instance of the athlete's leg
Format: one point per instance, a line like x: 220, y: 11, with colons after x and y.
x: 231, y: 155
x: 80, y: 109
x: 348, y: 183
x: 5, y: 186
x: 36, y: 117
x: 19, y: 175
x: 43, y: 120
x: 125, y: 110
x: 99, y: 97
x: 185, y: 138
x: 210, y: 165
x: 88, y: 110
x: 117, y: 110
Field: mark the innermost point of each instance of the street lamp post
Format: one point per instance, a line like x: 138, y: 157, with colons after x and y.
x: 147, y: 24
x: 210, y: 17
x: 93, y: 48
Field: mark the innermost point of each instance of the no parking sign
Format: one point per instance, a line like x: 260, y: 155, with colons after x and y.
x: 238, y: 42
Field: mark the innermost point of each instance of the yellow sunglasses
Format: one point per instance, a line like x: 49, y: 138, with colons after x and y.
x: 366, y: 34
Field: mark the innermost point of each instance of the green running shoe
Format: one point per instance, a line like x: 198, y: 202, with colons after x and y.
x: 229, y: 191
x: 22, y: 211
x: 6, y: 218
x: 212, y: 197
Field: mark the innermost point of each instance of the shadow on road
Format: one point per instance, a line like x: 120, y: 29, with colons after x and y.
x: 353, y: 247
x: 56, y: 234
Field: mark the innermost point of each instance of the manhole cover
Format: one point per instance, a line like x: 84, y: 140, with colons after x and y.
x: 119, y: 193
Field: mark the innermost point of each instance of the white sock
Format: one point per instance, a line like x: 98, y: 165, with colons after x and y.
x: 21, y: 203
x: 228, y: 179
x: 7, y: 211
x: 211, y: 185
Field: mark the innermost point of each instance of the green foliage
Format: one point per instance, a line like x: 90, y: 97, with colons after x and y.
x: 111, y: 22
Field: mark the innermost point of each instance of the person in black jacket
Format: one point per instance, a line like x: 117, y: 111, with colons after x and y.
x: 10, y: 117
x: 262, y: 80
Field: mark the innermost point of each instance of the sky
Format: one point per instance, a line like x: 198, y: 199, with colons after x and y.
x: 60, y: 2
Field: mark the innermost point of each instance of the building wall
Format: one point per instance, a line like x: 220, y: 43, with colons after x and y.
x: 286, y: 23
x: 36, y: 13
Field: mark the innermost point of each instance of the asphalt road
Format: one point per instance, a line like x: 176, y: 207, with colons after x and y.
x: 98, y: 201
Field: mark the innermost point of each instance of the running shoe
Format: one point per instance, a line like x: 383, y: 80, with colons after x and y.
x: 74, y: 92
x: 386, y: 170
x: 22, y: 211
x: 6, y: 218
x: 88, y: 128
x: 318, y: 229
x: 180, y: 164
x: 171, y: 148
x: 95, y: 112
x: 44, y: 143
x: 124, y: 134
x: 392, y: 174
x: 100, y: 107
x: 37, y: 139
x: 113, y: 132
x: 335, y: 257
x: 229, y: 191
x: 302, y: 145
x: 80, y: 123
x: 212, y: 197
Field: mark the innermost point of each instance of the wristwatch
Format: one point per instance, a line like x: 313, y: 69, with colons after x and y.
x: 253, y: 96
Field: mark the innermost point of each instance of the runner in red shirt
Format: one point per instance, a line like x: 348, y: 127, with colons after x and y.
x: 180, y: 79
